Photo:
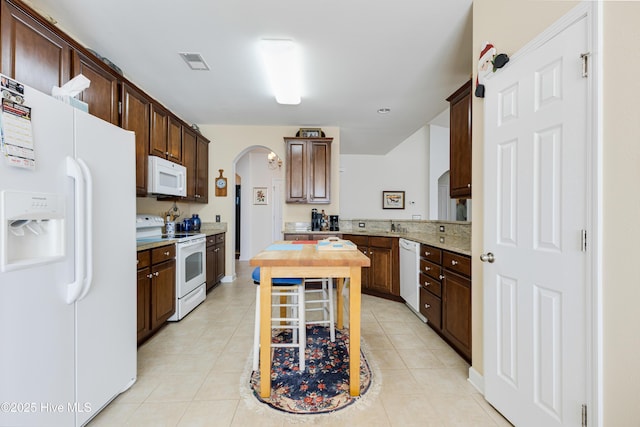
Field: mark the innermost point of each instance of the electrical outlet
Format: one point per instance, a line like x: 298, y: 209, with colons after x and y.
x: 361, y: 224
x: 217, y: 218
x: 442, y: 228
x: 442, y: 239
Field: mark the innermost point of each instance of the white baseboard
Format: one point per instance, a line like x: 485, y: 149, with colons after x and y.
x: 228, y: 279
x: 476, y: 380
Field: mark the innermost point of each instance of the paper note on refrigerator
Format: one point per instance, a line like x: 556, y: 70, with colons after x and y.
x: 16, y: 137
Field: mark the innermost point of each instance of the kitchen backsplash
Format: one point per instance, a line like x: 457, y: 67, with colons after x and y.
x: 460, y: 230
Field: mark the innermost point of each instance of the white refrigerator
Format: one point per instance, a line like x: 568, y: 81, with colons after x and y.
x: 67, y: 269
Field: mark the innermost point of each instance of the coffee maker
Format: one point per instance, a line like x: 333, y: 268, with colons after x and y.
x: 334, y: 223
x: 316, y: 220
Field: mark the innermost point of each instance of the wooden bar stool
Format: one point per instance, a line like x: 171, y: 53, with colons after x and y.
x: 290, y: 296
x: 323, y: 303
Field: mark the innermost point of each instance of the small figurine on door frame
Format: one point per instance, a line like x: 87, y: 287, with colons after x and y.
x: 489, y: 62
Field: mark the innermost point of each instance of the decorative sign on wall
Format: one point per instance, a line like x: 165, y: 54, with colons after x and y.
x: 221, y: 185
x: 260, y: 196
x: 393, y: 200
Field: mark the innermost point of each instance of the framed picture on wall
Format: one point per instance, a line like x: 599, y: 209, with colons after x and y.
x: 393, y: 200
x: 260, y: 196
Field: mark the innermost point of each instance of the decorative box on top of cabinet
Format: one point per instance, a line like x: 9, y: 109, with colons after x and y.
x: 308, y: 170
x: 156, y: 289
x: 460, y: 142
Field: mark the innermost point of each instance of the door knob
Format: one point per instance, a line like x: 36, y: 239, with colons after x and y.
x: 488, y: 257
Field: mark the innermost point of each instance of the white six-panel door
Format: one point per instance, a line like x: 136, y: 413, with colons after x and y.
x: 535, y: 214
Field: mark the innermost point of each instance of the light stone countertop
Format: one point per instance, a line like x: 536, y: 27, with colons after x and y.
x: 207, y: 228
x: 453, y: 243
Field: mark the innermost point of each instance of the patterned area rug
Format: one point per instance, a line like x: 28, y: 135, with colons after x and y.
x: 323, y: 386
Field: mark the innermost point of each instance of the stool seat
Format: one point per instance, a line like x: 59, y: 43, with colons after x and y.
x: 280, y: 281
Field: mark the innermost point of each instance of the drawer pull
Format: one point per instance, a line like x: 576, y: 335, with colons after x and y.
x: 166, y: 253
x: 427, y: 268
x: 454, y: 262
x: 427, y: 306
x: 427, y: 284
x: 427, y: 253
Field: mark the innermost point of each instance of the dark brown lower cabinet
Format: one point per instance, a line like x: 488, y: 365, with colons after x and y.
x: 445, y: 296
x: 156, y: 289
x: 456, y: 311
x: 382, y: 277
x: 215, y: 259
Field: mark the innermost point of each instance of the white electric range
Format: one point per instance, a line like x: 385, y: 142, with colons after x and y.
x: 191, y: 263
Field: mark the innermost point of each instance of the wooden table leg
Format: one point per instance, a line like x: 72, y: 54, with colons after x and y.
x: 354, y: 331
x: 265, y: 332
x: 339, y: 303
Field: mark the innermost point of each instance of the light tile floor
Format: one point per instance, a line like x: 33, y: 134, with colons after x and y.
x: 189, y: 373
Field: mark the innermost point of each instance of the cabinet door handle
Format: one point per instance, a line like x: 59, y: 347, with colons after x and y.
x: 441, y: 276
x: 157, y: 273
x: 468, y: 185
x: 454, y: 262
x: 427, y: 306
x: 149, y: 276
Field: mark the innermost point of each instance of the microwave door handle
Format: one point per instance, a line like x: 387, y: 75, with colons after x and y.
x: 75, y: 288
x: 88, y: 210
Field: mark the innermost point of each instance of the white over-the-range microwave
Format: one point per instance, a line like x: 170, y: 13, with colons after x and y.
x: 166, y: 177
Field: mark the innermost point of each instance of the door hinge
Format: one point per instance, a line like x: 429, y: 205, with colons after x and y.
x: 583, y: 246
x: 119, y: 107
x: 585, y: 64
x: 584, y: 415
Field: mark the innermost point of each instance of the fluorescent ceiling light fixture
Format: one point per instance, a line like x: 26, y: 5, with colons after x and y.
x: 195, y: 61
x: 282, y: 62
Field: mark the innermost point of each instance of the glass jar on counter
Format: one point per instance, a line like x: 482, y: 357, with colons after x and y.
x: 195, y: 219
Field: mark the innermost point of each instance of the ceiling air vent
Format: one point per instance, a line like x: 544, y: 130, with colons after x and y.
x: 194, y: 61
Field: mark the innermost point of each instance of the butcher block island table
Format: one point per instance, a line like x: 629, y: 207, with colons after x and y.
x: 288, y: 259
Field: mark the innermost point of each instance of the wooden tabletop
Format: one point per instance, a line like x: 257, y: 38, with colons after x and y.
x: 308, y: 255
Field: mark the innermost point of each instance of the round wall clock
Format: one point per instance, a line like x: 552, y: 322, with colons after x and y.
x: 221, y: 185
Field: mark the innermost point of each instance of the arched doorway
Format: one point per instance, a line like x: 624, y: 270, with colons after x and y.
x: 258, y: 198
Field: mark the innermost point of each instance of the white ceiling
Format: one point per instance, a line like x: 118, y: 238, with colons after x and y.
x: 359, y: 56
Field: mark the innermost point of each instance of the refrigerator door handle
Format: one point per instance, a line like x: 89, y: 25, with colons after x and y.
x: 88, y: 220
x: 75, y: 289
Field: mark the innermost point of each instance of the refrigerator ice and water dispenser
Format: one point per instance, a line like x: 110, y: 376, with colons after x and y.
x: 31, y: 229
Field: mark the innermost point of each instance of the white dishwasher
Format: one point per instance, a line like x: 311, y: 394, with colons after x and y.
x: 409, y: 275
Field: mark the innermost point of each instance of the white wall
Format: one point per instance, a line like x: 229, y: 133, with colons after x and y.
x: 405, y: 168
x: 438, y: 163
x: 256, y: 220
